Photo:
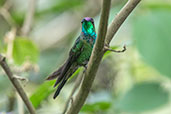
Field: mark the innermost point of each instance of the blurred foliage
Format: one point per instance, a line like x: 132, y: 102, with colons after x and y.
x: 56, y: 8
x: 143, y: 97
x: 24, y: 50
x: 146, y: 33
x: 152, y: 36
x: 44, y: 90
x: 96, y: 108
x: 18, y: 17
x: 42, y: 93
x: 2, y: 2
x: 158, y: 5
x: 4, y: 84
x: 60, y: 6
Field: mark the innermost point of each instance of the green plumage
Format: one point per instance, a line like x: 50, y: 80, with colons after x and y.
x: 86, y: 49
x: 79, y: 54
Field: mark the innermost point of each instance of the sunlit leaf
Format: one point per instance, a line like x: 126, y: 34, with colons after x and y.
x: 24, y: 50
x: 143, y: 97
x: 158, y: 5
x: 95, y: 107
x: 153, y: 39
x: 42, y: 93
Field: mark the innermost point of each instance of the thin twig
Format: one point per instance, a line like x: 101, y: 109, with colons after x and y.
x: 97, y: 53
x: 76, y: 86
x: 17, y: 85
x: 119, y: 19
x: 9, y: 39
x: 29, y: 18
x: 20, y: 78
x: 5, y: 13
x: 116, y: 51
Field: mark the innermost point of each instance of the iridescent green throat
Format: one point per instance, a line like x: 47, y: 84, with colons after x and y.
x: 88, y: 28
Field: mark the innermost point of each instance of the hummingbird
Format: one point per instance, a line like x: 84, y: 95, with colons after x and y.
x: 78, y: 56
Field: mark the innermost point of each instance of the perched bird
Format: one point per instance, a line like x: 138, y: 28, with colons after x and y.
x: 78, y: 56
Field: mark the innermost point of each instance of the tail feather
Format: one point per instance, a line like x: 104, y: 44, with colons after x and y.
x: 59, y: 88
x: 64, y: 80
x: 68, y: 74
x: 58, y: 81
x: 64, y: 71
x: 55, y: 74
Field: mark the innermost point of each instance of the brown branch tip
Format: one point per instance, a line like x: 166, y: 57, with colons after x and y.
x: 106, y: 48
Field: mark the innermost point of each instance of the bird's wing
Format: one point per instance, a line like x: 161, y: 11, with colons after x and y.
x: 74, y: 52
x: 73, y: 55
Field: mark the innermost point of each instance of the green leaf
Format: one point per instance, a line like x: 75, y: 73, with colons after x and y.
x: 45, y: 90
x: 24, y: 50
x: 18, y: 17
x: 60, y: 6
x: 42, y: 93
x: 2, y: 3
x: 95, y: 107
x: 143, y: 97
x: 152, y: 37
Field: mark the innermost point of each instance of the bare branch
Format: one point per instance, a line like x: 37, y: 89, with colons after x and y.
x: 119, y: 19
x: 29, y: 18
x: 98, y: 51
x: 17, y: 85
x: 95, y: 59
x: 116, y: 51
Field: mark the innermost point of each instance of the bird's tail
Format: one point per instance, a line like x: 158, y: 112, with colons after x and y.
x: 59, y: 88
x: 64, y: 79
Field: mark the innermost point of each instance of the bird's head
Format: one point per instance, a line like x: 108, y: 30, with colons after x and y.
x: 88, y: 25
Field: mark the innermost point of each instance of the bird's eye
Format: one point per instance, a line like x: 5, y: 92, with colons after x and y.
x: 92, y: 21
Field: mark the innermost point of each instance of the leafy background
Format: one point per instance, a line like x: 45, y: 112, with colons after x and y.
x: 134, y: 82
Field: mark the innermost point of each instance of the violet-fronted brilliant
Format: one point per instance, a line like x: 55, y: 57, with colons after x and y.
x: 79, y: 55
